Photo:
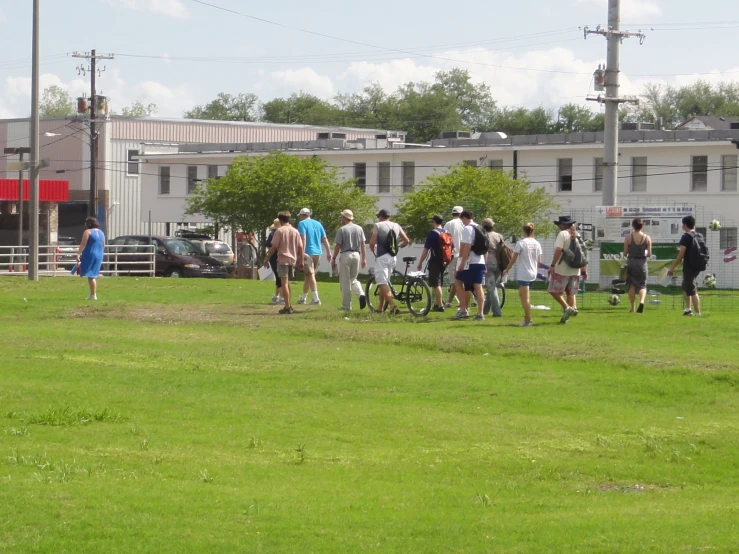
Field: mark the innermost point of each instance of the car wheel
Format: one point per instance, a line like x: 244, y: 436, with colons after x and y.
x: 174, y: 272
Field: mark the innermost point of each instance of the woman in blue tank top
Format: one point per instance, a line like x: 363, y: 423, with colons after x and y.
x: 90, y: 254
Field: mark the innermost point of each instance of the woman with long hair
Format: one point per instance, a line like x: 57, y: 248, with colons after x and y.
x: 528, y: 250
x: 90, y: 254
x: 637, y: 250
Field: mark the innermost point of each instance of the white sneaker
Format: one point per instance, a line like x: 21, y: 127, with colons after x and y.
x: 92, y: 297
x: 275, y: 299
x: 461, y: 314
x: 566, y: 315
x: 526, y: 324
x: 302, y: 298
x: 315, y: 302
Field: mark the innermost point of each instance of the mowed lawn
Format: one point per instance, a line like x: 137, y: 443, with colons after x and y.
x: 187, y: 416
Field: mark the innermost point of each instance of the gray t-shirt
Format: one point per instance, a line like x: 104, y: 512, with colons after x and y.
x: 383, y: 228
x: 350, y: 237
x: 495, y: 240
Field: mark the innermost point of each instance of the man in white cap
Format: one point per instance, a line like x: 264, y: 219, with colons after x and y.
x: 350, y: 250
x: 454, y: 227
x: 313, y: 236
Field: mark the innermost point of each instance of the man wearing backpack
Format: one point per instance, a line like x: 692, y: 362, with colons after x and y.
x: 455, y: 228
x: 694, y: 255
x: 439, y: 248
x: 471, y: 267
x: 567, y: 266
x: 387, y: 238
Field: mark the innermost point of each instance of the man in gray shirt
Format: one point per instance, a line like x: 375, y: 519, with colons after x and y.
x: 493, y: 274
x: 384, y: 260
x: 350, y: 251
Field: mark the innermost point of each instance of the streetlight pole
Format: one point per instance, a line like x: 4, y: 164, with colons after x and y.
x: 35, y: 155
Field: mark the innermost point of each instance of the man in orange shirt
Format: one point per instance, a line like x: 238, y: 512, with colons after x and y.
x: 289, y: 247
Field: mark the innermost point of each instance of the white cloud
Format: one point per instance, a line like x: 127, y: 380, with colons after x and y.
x: 170, y: 8
x: 630, y: 8
x: 3, y: 17
x: 306, y: 80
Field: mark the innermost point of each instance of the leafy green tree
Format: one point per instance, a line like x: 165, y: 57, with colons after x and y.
x: 56, y: 102
x: 227, y: 107
x: 572, y: 118
x: 522, y: 121
x: 256, y: 188
x: 510, y: 202
x: 302, y: 109
x: 473, y: 102
x: 139, y: 109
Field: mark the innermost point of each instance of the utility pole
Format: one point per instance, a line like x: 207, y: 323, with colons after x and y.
x: 35, y: 155
x: 19, y: 151
x: 93, y: 57
x: 615, y: 36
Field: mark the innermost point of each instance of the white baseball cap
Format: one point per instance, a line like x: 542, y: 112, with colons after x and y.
x: 304, y: 211
x: 348, y: 214
x: 457, y: 209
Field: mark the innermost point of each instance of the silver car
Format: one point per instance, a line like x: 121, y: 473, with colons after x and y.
x: 217, y: 249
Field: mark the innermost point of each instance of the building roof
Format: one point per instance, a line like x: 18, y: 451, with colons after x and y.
x: 708, y: 122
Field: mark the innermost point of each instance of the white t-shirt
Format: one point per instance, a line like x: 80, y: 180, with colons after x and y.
x: 468, y: 237
x: 563, y: 242
x: 455, y: 227
x: 529, y: 252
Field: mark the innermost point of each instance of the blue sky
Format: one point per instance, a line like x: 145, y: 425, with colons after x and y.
x: 495, y: 40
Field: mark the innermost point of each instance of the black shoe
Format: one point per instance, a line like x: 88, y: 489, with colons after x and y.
x: 688, y: 312
x: 439, y: 309
x: 640, y: 309
x: 362, y: 302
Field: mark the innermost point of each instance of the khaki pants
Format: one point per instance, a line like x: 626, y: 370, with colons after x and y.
x: 348, y: 271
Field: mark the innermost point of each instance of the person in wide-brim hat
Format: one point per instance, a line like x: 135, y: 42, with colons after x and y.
x: 565, y: 220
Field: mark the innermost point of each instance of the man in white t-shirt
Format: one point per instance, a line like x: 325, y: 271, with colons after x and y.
x: 454, y: 227
x: 565, y: 280
x: 470, y: 268
x: 528, y: 252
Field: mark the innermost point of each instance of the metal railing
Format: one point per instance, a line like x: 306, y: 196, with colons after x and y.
x: 57, y: 261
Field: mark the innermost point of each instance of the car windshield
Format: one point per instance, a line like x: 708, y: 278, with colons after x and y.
x: 217, y: 248
x: 181, y: 247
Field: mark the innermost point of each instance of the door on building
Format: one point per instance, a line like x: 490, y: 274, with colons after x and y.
x: 72, y: 217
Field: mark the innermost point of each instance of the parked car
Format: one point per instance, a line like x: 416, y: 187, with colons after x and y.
x: 217, y: 249
x: 66, y: 252
x: 174, y: 257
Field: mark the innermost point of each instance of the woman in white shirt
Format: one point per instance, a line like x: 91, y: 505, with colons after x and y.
x: 528, y: 250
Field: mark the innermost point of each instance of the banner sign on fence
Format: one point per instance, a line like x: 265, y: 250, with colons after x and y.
x: 663, y: 223
x: 612, y: 258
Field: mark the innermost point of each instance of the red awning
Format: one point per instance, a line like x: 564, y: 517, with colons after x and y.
x: 49, y: 190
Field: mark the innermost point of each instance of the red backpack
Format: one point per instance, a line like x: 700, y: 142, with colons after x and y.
x: 446, y: 247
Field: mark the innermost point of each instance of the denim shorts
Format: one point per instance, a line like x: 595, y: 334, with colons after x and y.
x: 525, y: 283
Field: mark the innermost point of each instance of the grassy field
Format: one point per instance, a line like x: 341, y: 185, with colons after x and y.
x: 187, y: 416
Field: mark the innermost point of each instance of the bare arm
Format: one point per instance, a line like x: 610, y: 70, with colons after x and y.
x: 679, y: 259
x: 328, y: 247
x: 627, y: 240
x: 555, y: 259
x: 512, y: 262
x: 423, y: 257
x: 337, y: 247
x: 464, y: 253
x: 363, y: 255
x: 373, y: 239
x: 649, y: 247
x: 406, y: 241
x: 85, y: 236
x: 272, y: 249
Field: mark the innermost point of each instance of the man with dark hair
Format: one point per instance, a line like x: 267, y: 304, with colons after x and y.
x: 289, y: 247
x: 384, y: 260
x: 470, y: 269
x: 565, y: 280
x: 690, y: 274
x: 454, y: 227
x: 436, y: 266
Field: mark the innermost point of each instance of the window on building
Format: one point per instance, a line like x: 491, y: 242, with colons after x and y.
x: 728, y: 173
x: 496, y: 165
x: 639, y: 174
x: 360, y: 174
x: 409, y: 176
x: 699, y: 174
x: 213, y: 172
x: 598, y: 175
x: 471, y: 163
x: 564, y: 172
x: 383, y: 177
x: 192, y: 178
x: 133, y: 165
x: 164, y: 173
x: 727, y: 237
x: 701, y: 231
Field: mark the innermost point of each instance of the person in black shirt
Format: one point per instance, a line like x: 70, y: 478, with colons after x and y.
x: 436, y: 265
x: 690, y: 275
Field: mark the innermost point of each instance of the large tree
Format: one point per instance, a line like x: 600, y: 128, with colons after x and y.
x: 139, y: 109
x: 56, y: 102
x: 255, y: 188
x: 302, y: 109
x: 228, y: 107
x: 489, y: 193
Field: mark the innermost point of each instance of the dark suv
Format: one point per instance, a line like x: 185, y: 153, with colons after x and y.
x: 175, y: 257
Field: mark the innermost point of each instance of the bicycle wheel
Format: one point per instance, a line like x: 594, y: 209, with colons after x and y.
x: 418, y: 298
x: 501, y: 295
x: 372, y: 294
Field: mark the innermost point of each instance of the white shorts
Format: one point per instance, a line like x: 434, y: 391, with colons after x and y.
x: 384, y: 266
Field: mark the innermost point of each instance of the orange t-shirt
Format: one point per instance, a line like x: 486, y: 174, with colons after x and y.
x: 288, y: 243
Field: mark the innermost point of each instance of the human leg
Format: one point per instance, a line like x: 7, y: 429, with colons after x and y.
x: 557, y: 286
x: 491, y: 298
x: 479, y: 296
x: 345, y: 282
x: 92, y: 283
x: 525, y: 296
x: 696, y: 303
x: 632, y: 298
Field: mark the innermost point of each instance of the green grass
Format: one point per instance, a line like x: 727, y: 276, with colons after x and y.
x: 187, y: 416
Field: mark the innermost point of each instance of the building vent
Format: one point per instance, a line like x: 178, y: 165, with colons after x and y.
x: 641, y: 126
x: 323, y: 136
x: 456, y: 134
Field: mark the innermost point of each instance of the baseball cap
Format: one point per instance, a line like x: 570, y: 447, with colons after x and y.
x: 348, y: 214
x: 457, y: 209
x: 304, y: 211
x: 383, y: 213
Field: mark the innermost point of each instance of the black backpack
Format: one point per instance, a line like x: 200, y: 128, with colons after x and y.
x: 391, y: 242
x: 577, y: 254
x: 481, y: 244
x: 697, y: 256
